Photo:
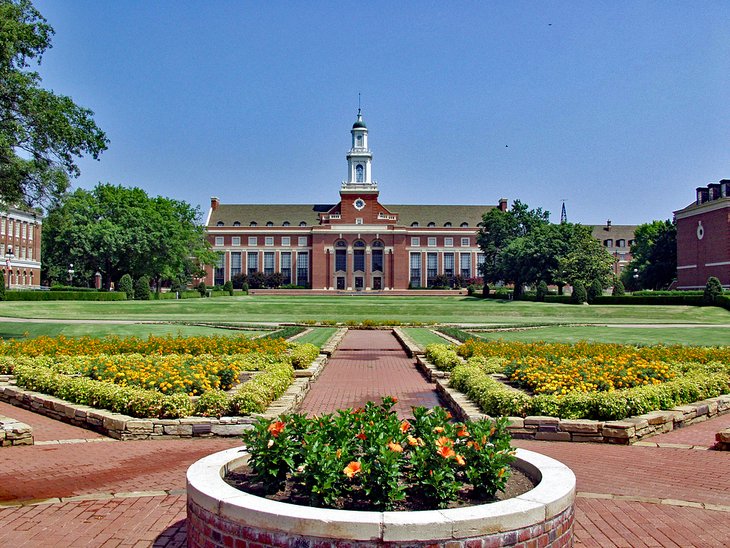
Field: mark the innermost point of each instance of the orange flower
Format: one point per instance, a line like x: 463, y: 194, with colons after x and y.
x: 404, y: 426
x: 443, y: 441
x: 415, y: 441
x: 463, y: 433
x: 276, y: 428
x: 395, y: 447
x: 446, y: 452
x: 448, y: 415
x: 352, y: 469
x: 361, y: 436
x: 460, y: 460
x: 339, y: 453
x: 438, y: 429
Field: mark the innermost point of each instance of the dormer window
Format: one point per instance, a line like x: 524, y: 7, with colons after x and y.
x: 302, y: 223
x: 464, y: 225
x: 220, y: 223
x: 286, y: 223
x: 415, y: 224
x: 447, y: 224
x: 431, y: 225
x: 236, y: 223
x: 253, y: 223
x: 269, y: 223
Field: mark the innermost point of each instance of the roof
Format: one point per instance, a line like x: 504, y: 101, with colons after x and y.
x: 614, y: 232
x: 277, y: 214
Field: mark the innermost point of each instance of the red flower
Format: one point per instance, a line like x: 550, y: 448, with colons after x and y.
x: 446, y: 452
x: 276, y: 428
x: 463, y: 432
x: 404, y: 426
x: 351, y: 469
x: 361, y: 436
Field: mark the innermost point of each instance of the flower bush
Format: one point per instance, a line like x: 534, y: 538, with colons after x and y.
x: 442, y: 356
x: 302, y: 355
x: 369, y: 454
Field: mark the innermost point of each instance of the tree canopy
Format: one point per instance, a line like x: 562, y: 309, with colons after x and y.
x: 116, y: 230
x: 653, y: 255
x: 41, y: 133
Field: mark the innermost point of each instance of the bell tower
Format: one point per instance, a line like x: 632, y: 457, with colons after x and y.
x: 359, y: 160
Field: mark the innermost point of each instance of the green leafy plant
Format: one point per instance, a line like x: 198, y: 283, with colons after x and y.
x: 713, y: 289
x: 126, y: 285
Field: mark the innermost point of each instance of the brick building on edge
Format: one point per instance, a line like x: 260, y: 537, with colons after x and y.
x: 703, y: 237
x: 355, y: 244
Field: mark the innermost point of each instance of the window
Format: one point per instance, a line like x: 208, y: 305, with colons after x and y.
x: 415, y: 278
x: 252, y: 262
x: 286, y: 223
x: 269, y: 241
x: 30, y: 254
x: 235, y: 264
x: 432, y: 242
x: 449, y: 264
x: 303, y: 268
x: 376, y: 258
x: 359, y: 243
x: 359, y: 260
x: 465, y: 265
x: 358, y: 221
x: 236, y: 241
x: 341, y: 243
x: 252, y: 241
x: 341, y: 260
x: 377, y: 243
x: 620, y: 243
x: 269, y: 262
x: 415, y: 241
x: 415, y: 224
x: 220, y: 270
x: 465, y: 242
x: 302, y: 223
x: 286, y: 266
x: 269, y: 223
x: 359, y: 174
x: 24, y: 229
x: 286, y: 241
x: 2, y: 226
x: 302, y: 241
x: 236, y: 223
x: 608, y: 243
x: 253, y: 223
x: 17, y: 229
x: 464, y: 225
x: 448, y: 242
x: 431, y: 267
x: 220, y: 223
x: 481, y: 259
x: 447, y: 224
x: 219, y: 241
x: 431, y: 225
x: 30, y: 233
x: 22, y: 252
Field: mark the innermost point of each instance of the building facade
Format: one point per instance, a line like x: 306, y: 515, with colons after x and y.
x: 356, y: 244
x: 20, y: 237
x: 617, y: 239
x: 703, y: 237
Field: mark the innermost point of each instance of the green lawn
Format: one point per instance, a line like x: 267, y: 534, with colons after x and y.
x: 423, y: 336
x: 318, y: 336
x: 15, y: 330
x: 696, y: 336
x: 270, y: 308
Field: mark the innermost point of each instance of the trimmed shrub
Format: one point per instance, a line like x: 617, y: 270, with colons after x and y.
x: 257, y: 280
x: 260, y: 391
x: 228, y: 287
x: 618, y: 289
x: 594, y: 291
x: 126, y: 285
x: 213, y: 403
x: 485, y: 291
x: 580, y: 295
x: 2, y: 286
x: 30, y: 295
x: 302, y: 355
x: 713, y: 289
x: 442, y: 356
x: 542, y: 290
x: 142, y: 289
x: 202, y: 289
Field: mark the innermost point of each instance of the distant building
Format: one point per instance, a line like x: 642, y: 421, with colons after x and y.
x: 703, y: 237
x: 20, y: 237
x: 354, y: 244
x: 617, y: 239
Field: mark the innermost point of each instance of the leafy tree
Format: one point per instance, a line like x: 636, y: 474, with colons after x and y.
x: 274, y: 280
x: 588, y: 260
x: 713, y: 289
x: 142, y: 289
x: 485, y: 291
x: 126, y: 285
x: 594, y: 290
x: 238, y: 281
x: 618, y: 288
x: 579, y: 295
x: 202, y: 289
x: 257, y: 280
x: 118, y: 230
x: 542, y: 290
x: 228, y: 287
x: 41, y: 133
x: 2, y: 285
x: 653, y: 256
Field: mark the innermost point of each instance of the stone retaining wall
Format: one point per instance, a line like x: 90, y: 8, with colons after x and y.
x: 723, y: 440
x: 124, y: 427
x: 13, y: 432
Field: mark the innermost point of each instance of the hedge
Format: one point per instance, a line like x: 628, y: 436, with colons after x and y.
x: 496, y: 399
x: 679, y: 300
x: 442, y: 356
x: 302, y: 355
x: 28, y: 295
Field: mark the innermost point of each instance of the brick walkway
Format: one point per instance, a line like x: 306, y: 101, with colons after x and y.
x: 132, y: 493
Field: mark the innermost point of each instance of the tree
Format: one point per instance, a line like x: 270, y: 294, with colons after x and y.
x: 579, y: 295
x: 117, y: 230
x: 142, y: 289
x: 2, y: 285
x: 588, y: 260
x: 41, y: 133
x: 542, y: 290
x: 653, y: 255
x: 618, y: 288
x: 127, y: 286
x: 595, y: 289
x: 713, y: 289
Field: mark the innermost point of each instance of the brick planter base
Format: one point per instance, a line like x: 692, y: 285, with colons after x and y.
x: 220, y: 515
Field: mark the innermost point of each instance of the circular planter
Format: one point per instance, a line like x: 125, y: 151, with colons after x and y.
x: 221, y: 515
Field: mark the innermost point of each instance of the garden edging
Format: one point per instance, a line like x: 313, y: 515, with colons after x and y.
x: 14, y: 432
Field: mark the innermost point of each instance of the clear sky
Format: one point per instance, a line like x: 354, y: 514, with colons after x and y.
x: 621, y: 108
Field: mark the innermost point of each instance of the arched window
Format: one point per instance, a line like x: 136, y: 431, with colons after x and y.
x: 302, y: 223
x: 359, y: 173
x: 236, y: 223
x: 220, y: 223
x: 253, y: 223
x: 464, y: 225
x: 431, y: 225
x: 286, y: 223
x: 377, y: 243
x: 415, y: 223
x: 358, y: 244
x: 269, y: 223
x: 447, y: 224
x: 341, y: 243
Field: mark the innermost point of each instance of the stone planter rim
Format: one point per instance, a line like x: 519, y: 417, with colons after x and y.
x: 554, y: 493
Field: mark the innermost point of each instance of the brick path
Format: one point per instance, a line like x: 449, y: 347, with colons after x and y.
x: 132, y: 493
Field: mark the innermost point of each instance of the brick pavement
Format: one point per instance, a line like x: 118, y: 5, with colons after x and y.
x: 45, y: 429
x: 627, y: 496
x: 699, y: 435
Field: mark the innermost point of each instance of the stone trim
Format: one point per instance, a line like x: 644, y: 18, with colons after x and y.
x: 220, y: 515
x: 723, y: 440
x: 408, y: 344
x: 13, y: 432
x: 623, y: 432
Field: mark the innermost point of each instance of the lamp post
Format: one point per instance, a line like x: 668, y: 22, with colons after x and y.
x: 9, y: 256
x: 70, y: 274
x: 636, y: 278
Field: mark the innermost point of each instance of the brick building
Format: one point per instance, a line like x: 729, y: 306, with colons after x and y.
x: 703, y: 237
x: 354, y: 244
x: 20, y: 237
x: 617, y: 239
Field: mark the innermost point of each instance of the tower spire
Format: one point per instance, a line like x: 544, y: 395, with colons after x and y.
x: 563, y: 214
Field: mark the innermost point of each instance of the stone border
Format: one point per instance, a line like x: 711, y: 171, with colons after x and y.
x: 624, y: 432
x: 723, y: 440
x: 13, y: 432
x: 220, y: 515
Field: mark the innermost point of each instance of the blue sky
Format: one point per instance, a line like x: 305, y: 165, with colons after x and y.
x: 621, y: 108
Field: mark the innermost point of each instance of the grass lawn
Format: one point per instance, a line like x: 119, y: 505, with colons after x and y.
x: 318, y: 336
x: 273, y: 308
x: 19, y: 330
x: 695, y: 336
x: 423, y: 336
